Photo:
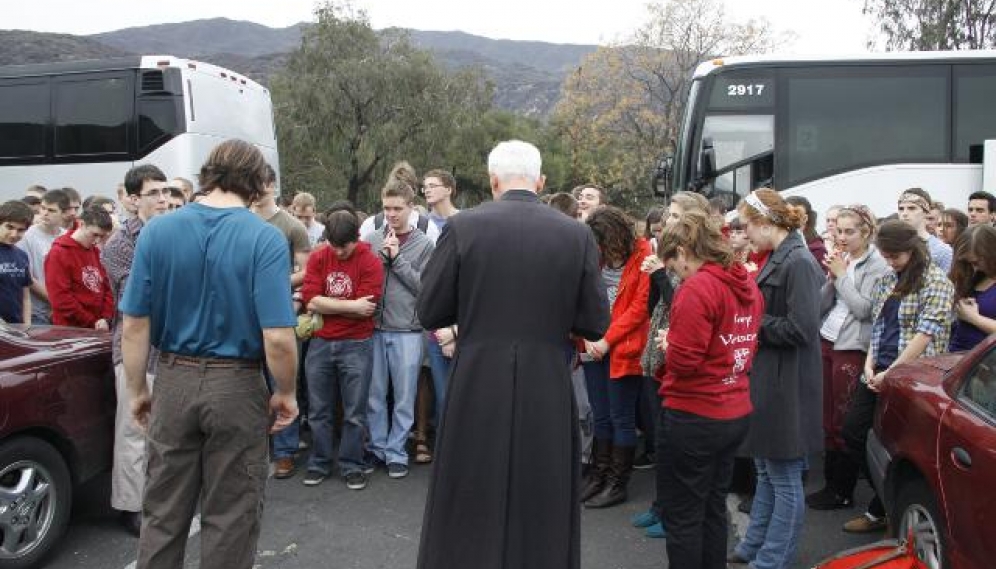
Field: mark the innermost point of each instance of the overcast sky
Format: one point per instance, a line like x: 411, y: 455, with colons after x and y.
x: 821, y: 26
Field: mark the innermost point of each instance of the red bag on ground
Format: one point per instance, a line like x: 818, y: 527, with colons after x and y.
x: 888, y: 554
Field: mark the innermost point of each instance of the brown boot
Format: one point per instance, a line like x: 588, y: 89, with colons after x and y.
x: 598, y: 471
x: 614, y: 491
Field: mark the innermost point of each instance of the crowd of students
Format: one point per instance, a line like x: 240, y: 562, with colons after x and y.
x: 755, y: 337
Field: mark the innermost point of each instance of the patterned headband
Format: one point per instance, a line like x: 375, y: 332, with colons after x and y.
x: 915, y: 199
x: 864, y: 214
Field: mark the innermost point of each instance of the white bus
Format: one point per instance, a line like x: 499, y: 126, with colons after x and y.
x: 839, y: 130
x: 83, y: 124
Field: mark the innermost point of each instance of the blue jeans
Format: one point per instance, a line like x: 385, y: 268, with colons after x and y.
x: 613, y: 403
x: 440, y: 367
x: 777, y: 514
x: 343, y: 367
x: 285, y: 441
x: 397, y: 356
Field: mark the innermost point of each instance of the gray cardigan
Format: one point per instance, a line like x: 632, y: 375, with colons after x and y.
x: 855, y: 333
x: 402, y: 281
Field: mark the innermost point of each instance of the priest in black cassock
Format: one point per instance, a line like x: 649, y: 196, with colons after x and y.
x: 517, y: 277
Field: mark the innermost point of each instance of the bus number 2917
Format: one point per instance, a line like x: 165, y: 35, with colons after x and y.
x: 745, y: 90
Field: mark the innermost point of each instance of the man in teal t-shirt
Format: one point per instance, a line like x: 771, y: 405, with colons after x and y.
x: 209, y: 289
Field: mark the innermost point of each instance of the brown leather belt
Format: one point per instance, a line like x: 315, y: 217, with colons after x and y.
x: 193, y: 361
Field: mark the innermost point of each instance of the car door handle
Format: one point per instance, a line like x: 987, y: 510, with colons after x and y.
x: 961, y: 457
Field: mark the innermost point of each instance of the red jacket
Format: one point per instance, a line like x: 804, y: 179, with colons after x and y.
x: 630, y: 324
x: 78, y: 288
x: 362, y: 274
x: 715, y: 318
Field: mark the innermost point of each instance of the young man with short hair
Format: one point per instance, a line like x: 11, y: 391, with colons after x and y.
x: 145, y: 192
x: 185, y: 185
x: 15, y: 275
x: 913, y: 207
x: 294, y: 232
x: 981, y: 208
x: 343, y: 283
x: 77, y: 283
x: 71, y: 214
x: 174, y: 199
x: 439, y: 188
x: 304, y: 210
x: 397, y: 340
x: 37, y: 243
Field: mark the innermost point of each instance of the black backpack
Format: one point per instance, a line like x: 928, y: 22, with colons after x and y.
x: 423, y: 222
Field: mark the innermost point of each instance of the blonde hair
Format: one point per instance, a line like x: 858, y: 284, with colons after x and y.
x: 699, y: 236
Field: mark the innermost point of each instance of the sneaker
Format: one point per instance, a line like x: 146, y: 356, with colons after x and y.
x: 313, y: 478
x: 866, y: 523
x: 644, y: 461
x: 371, y: 463
x: 356, y: 480
x: 644, y: 519
x: 397, y: 470
x: 827, y: 499
x: 283, y: 468
x: 656, y: 531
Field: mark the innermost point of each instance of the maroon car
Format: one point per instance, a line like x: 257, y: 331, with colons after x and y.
x: 56, y: 431
x: 932, y: 455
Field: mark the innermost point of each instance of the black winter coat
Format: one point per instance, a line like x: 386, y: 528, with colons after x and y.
x: 786, y: 380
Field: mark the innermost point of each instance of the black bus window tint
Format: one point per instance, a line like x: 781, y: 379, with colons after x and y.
x: 845, y: 119
x: 24, y: 114
x: 738, y: 137
x: 92, y: 116
x: 975, y: 119
x: 157, y: 121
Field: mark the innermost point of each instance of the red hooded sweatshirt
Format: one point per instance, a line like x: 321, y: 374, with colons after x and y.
x: 715, y: 317
x: 362, y: 274
x: 78, y: 287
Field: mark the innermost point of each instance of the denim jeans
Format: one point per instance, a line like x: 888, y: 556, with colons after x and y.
x: 397, y: 356
x: 440, y: 367
x: 777, y: 514
x: 343, y: 367
x: 285, y: 441
x: 695, y: 467
x: 613, y: 403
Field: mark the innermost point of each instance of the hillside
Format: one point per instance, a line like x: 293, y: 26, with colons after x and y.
x: 22, y: 47
x: 527, y: 74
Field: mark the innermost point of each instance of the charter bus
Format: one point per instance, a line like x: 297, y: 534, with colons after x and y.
x: 839, y: 130
x: 83, y: 124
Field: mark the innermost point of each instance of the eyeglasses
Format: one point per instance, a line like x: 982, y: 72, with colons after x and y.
x: 432, y: 186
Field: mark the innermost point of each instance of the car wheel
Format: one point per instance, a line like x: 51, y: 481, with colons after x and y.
x: 916, y: 512
x: 35, y: 499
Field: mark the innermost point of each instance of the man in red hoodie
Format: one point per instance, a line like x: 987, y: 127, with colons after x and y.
x: 342, y: 283
x: 715, y: 317
x: 77, y: 284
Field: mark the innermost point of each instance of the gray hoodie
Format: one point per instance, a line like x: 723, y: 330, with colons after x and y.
x: 855, y: 333
x: 402, y: 281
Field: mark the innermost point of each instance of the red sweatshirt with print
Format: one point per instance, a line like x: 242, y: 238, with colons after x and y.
x: 362, y: 274
x: 712, y: 339
x: 78, y: 288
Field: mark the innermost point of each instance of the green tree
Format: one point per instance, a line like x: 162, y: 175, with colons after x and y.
x: 351, y: 102
x: 621, y: 109
x: 919, y: 25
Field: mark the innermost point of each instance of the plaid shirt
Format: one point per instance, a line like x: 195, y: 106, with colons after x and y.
x: 927, y: 311
x: 117, y: 255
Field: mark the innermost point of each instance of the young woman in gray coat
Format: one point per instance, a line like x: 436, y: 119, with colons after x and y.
x: 855, y: 269
x: 786, y: 382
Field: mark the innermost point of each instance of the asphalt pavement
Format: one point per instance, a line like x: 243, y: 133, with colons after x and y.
x: 378, y: 528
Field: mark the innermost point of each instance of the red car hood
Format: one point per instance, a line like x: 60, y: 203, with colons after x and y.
x: 22, y: 345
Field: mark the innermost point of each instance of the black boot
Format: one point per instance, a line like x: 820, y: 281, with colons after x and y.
x: 615, y: 489
x: 598, y: 471
x: 831, y: 497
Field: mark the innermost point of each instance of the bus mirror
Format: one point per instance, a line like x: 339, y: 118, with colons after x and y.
x: 661, y: 183
x: 989, y: 166
x: 707, y: 160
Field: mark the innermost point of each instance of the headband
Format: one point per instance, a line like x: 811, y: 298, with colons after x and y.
x: 756, y: 203
x: 863, y: 213
x: 915, y: 199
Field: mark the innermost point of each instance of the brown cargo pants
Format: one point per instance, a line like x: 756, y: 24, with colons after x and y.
x: 207, y: 444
